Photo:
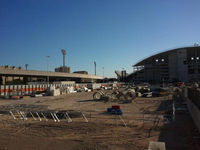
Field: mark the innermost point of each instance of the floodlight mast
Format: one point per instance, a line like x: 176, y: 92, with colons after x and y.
x: 64, y: 54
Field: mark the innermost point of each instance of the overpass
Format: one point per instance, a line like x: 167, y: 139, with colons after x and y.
x: 53, y: 76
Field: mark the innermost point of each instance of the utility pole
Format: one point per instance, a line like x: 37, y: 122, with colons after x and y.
x: 48, y: 69
x: 95, y: 67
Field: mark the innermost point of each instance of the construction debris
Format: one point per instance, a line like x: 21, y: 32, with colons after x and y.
x: 52, y: 91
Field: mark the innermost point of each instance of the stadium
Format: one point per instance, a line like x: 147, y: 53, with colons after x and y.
x: 175, y: 65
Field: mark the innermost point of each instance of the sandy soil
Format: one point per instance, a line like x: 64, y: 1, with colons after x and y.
x: 144, y: 118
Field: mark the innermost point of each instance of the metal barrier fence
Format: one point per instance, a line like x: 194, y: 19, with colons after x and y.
x: 20, y: 90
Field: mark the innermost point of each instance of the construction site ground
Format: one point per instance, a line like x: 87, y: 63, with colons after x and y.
x: 144, y: 119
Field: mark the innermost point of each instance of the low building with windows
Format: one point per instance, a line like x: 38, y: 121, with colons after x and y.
x: 181, y: 64
x: 63, y: 69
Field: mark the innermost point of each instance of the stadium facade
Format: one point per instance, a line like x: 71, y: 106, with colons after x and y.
x: 176, y: 65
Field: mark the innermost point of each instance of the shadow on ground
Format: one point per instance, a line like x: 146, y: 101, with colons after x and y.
x: 180, y: 134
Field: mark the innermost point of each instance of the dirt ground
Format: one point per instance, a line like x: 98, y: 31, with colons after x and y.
x: 144, y: 121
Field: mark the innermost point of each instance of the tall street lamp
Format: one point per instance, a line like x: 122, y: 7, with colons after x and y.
x: 48, y: 68
x: 95, y: 67
x: 103, y: 71
x: 26, y: 66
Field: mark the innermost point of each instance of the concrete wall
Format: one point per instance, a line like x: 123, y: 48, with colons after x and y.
x: 192, y: 97
x: 195, y: 113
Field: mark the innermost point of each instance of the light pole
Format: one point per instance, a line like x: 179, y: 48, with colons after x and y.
x: 103, y: 74
x: 103, y: 71
x: 95, y: 67
x: 64, y: 54
x: 48, y: 68
x: 26, y: 66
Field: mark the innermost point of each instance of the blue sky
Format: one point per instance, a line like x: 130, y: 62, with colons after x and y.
x: 114, y: 33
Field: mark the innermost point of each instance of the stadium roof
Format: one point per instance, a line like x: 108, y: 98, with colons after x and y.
x: 140, y: 63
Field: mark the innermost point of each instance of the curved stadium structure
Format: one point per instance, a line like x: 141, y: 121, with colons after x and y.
x: 181, y: 64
